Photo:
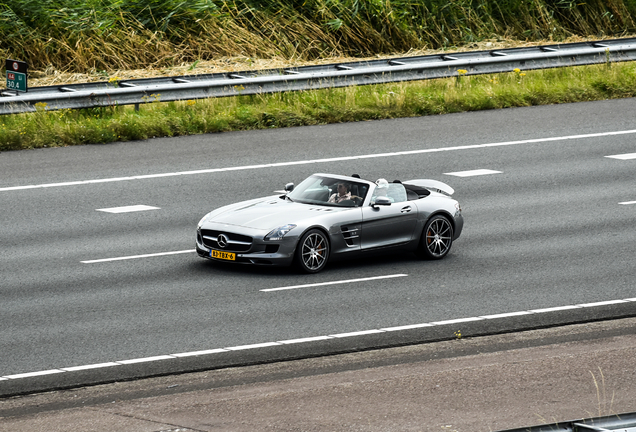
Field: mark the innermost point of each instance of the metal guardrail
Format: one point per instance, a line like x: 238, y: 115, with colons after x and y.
x: 187, y: 87
x: 612, y: 423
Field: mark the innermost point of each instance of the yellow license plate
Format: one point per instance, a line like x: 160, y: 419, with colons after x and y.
x: 222, y: 255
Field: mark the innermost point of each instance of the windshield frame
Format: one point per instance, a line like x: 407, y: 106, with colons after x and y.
x: 317, y: 188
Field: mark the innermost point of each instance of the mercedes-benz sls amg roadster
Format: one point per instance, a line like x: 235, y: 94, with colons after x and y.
x: 333, y: 217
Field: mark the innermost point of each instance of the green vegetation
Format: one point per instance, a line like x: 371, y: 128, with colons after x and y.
x: 97, y: 37
x: 462, y: 93
x: 132, y: 34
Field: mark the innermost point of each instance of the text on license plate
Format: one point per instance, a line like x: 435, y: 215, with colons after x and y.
x: 222, y: 255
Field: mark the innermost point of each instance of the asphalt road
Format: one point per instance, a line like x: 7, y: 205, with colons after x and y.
x: 550, y: 226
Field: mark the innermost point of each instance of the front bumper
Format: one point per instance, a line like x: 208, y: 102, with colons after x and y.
x: 259, y: 252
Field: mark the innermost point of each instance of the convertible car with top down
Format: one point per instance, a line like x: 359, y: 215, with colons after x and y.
x: 333, y: 217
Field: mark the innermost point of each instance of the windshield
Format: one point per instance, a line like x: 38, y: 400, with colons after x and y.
x: 329, y: 192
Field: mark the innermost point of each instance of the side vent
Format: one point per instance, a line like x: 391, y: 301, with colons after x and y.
x: 350, y: 235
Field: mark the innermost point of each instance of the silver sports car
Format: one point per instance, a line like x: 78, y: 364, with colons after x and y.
x: 332, y: 217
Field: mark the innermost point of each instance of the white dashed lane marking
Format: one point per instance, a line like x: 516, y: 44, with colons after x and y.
x: 128, y: 209
x: 334, y: 282
x: 625, y: 156
x: 472, y: 173
x: 138, y: 256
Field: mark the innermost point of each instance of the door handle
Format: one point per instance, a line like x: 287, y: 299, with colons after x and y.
x: 406, y: 209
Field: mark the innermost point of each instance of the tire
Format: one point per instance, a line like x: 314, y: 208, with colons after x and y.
x: 437, y: 238
x: 312, y: 252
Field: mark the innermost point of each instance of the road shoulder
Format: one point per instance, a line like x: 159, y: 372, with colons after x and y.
x: 468, y: 384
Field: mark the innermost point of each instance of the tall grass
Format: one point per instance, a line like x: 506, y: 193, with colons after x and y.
x: 131, y: 34
x: 102, y: 125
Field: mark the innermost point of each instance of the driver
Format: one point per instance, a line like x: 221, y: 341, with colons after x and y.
x: 343, y: 193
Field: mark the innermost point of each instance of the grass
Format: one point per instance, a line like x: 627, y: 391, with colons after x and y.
x: 465, y: 93
x: 95, y: 35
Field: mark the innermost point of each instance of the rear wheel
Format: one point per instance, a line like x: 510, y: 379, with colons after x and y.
x: 437, y: 238
x: 312, y: 252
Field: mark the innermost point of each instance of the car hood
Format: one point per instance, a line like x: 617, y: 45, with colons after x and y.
x: 267, y: 213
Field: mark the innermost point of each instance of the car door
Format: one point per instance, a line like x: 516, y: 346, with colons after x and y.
x: 389, y: 225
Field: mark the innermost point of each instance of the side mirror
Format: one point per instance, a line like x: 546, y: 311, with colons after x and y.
x: 289, y: 187
x: 381, y: 201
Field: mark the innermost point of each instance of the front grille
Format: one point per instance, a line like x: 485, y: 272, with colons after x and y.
x: 236, y: 242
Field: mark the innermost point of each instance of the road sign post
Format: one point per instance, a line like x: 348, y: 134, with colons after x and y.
x: 16, y: 75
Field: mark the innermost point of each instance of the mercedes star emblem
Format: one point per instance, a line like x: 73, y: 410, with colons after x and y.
x: 222, y: 240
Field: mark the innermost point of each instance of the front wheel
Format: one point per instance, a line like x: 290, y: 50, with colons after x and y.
x: 437, y: 238
x: 312, y: 252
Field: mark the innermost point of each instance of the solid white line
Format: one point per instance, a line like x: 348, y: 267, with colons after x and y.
x: 555, y: 309
x: 198, y: 353
x: 603, y: 303
x: 88, y: 367
x: 335, y: 159
x: 145, y: 359
x: 109, y: 180
x: 506, y: 315
x: 73, y: 183
x: 314, y: 338
x: 627, y: 202
x: 457, y: 321
x: 137, y: 256
x: 407, y: 327
x: 334, y: 282
x: 625, y: 156
x: 302, y: 340
x: 33, y: 374
x: 252, y: 346
x: 358, y: 333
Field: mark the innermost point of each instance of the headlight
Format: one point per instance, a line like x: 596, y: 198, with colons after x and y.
x: 280, y: 232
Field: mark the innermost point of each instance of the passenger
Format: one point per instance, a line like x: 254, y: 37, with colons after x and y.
x: 343, y: 193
